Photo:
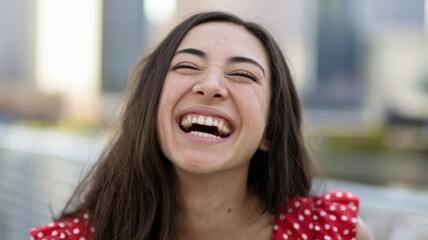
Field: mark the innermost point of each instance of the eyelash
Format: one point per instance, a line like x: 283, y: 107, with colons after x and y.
x: 190, y: 66
x: 184, y: 65
x: 246, y: 75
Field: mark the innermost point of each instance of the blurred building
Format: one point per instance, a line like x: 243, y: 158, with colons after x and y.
x: 57, y: 58
x: 358, y: 64
x: 371, y: 71
x: 361, y: 67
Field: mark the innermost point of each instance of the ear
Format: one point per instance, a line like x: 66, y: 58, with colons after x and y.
x: 264, y: 145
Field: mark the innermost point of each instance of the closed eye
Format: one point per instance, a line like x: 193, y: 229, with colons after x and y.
x: 184, y: 66
x: 244, y: 74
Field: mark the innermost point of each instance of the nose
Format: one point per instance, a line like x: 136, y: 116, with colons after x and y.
x: 211, y: 86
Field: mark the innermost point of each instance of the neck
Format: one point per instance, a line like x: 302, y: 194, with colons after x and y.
x: 218, y: 195
x: 217, y: 205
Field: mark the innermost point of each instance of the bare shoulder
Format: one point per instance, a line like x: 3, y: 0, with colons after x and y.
x: 362, y: 231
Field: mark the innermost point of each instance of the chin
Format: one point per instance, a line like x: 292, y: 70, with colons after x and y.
x: 197, y: 166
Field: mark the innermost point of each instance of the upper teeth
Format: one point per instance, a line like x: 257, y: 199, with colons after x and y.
x: 222, y: 127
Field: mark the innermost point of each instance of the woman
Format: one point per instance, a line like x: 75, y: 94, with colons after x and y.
x: 210, y: 148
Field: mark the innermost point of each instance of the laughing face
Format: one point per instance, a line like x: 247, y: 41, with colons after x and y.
x: 215, y: 100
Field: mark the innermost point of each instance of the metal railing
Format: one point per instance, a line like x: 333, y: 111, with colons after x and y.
x: 39, y: 169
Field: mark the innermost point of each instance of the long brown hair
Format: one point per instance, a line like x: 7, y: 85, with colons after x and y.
x: 131, y: 191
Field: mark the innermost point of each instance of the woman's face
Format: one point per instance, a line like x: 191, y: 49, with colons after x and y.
x: 215, y: 100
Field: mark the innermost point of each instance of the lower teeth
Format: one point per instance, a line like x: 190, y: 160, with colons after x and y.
x: 202, y: 134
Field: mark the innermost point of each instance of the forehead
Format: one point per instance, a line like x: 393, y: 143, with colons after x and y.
x: 225, y: 38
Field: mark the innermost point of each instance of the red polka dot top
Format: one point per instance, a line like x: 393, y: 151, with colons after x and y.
x: 332, y: 216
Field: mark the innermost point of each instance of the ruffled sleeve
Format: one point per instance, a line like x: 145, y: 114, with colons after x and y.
x: 78, y: 227
x: 328, y: 217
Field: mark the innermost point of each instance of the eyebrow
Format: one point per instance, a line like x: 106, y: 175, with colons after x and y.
x: 192, y: 51
x: 246, y: 60
x: 235, y: 59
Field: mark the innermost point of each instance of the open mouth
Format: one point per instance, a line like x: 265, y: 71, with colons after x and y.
x: 205, y: 126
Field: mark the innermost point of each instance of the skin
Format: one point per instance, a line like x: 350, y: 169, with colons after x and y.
x: 216, y: 78
x: 210, y: 86
x: 362, y: 231
x: 219, y: 70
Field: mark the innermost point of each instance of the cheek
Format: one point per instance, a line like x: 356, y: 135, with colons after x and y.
x: 266, y: 103
x: 173, y: 92
x: 174, y: 88
x: 165, y: 91
x: 262, y: 112
x: 255, y: 115
x: 167, y: 96
x: 262, y: 101
x: 163, y: 108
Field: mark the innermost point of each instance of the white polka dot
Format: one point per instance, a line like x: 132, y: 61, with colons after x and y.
x: 85, y: 216
x: 289, y: 232
x: 76, y: 220
x: 62, y: 235
x: 51, y: 224
x: 307, y: 212
x: 339, y: 194
x: 32, y: 238
x: 61, y: 225
x: 82, y: 238
x: 333, y: 218
x: 343, y: 208
x: 40, y: 235
x: 92, y: 229
x: 54, y: 233
x: 290, y: 210
x: 281, y: 216
x: 335, y: 229
x: 353, y: 208
x: 319, y: 202
x: 301, y: 218
x: 275, y: 227
x: 76, y: 231
x: 333, y: 208
x: 284, y: 236
x: 354, y: 220
x: 327, y: 226
x: 304, y: 236
x: 344, y: 218
x: 315, y: 217
x: 345, y: 232
x: 317, y: 228
x: 327, y: 238
x: 296, y: 226
x: 297, y: 204
x: 350, y: 195
x: 327, y: 196
x: 311, y: 226
x: 323, y: 213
